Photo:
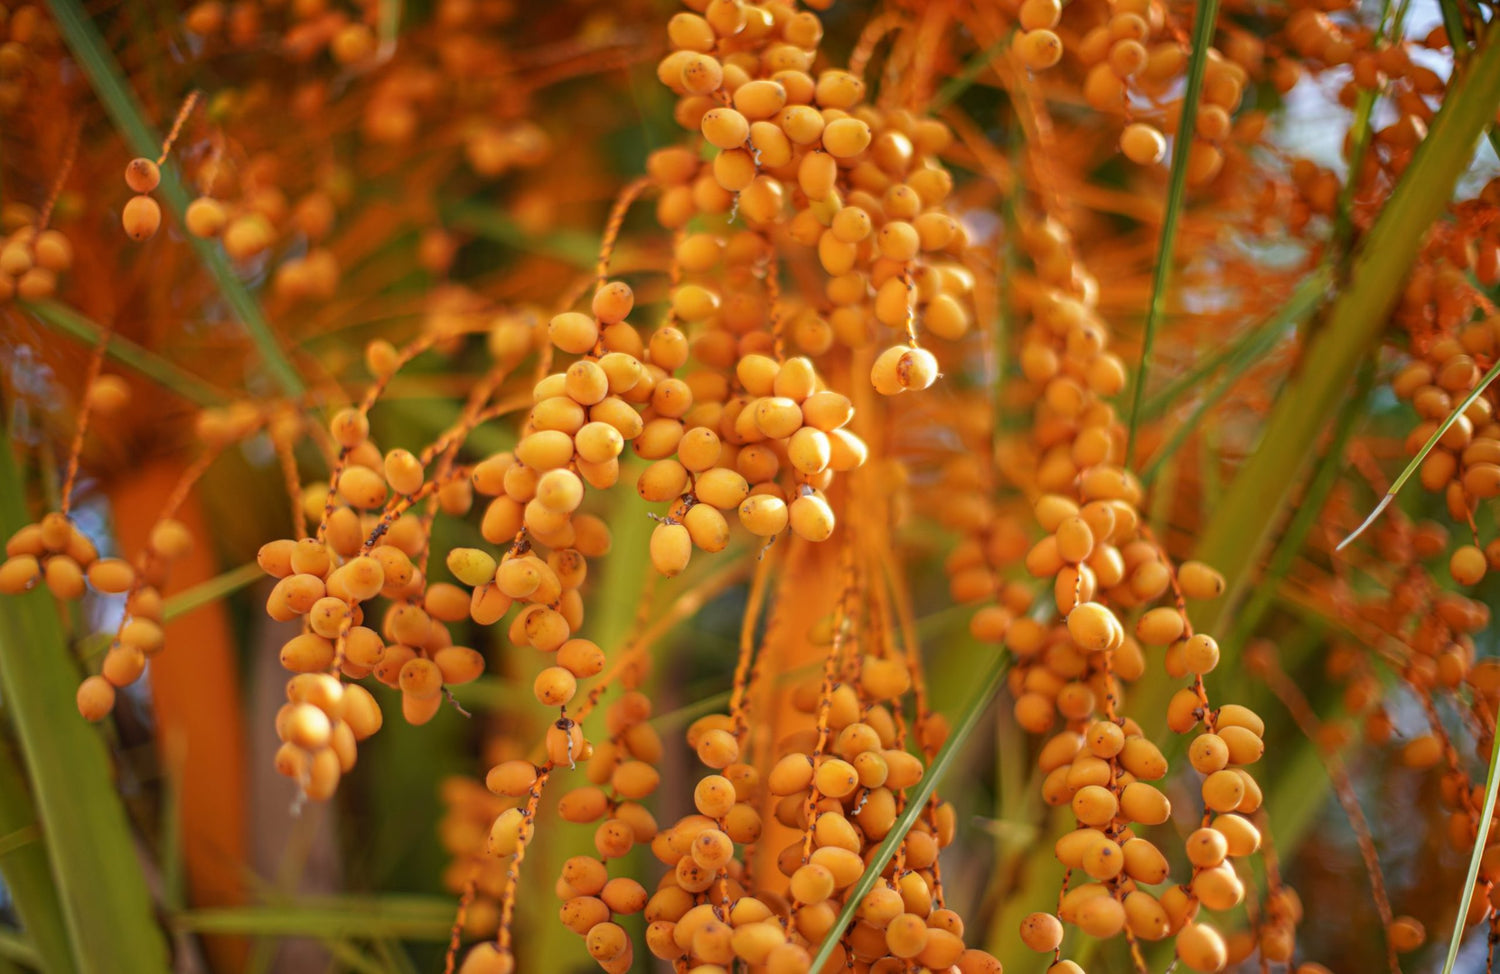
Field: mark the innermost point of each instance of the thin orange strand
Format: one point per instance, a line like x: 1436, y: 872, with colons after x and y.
x: 869, y: 39
x: 188, y: 105
x: 293, y: 488
x: 513, y: 873
x: 753, y: 603
x: 456, y: 932
x: 687, y: 603
x: 372, y: 395
x: 773, y: 299
x: 69, y: 155
x: 628, y: 195
x: 1291, y: 696
x: 179, y: 494
x: 96, y: 364
x: 825, y: 697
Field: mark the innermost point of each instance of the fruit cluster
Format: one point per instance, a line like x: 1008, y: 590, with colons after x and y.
x: 807, y: 261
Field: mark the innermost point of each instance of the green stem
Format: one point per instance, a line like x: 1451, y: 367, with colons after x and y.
x: 14, y: 947
x: 390, y: 25
x: 1203, y: 35
x: 1453, y: 23
x: 1236, y: 538
x: 112, y: 88
x: 394, y: 957
x: 351, y: 958
x: 105, y: 903
x: 1458, y: 37
x: 23, y: 836
x: 968, y: 74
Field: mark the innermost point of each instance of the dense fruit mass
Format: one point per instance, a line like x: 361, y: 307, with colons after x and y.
x: 853, y: 354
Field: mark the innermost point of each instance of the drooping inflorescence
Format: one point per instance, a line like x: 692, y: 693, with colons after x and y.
x: 860, y: 337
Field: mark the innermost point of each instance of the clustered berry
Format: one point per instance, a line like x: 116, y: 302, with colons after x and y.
x: 31, y: 260
x: 1103, y: 563
x: 1464, y: 464
x: 810, y: 261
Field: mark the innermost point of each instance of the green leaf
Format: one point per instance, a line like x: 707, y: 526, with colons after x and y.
x: 58, y: 315
x: 98, y: 64
x: 27, y: 871
x: 211, y: 590
x: 106, y: 905
x: 170, y: 855
x: 916, y: 802
x: 337, y: 918
x: 1204, y: 18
